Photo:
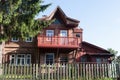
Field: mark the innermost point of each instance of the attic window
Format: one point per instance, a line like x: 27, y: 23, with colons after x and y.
x: 57, y: 21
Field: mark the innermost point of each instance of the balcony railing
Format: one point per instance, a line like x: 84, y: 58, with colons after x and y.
x: 59, y: 42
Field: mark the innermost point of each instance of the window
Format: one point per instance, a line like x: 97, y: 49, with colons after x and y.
x: 28, y: 59
x: 29, y: 39
x: 63, y: 33
x: 49, y: 34
x: 77, y: 34
x: 64, y: 39
x: 12, y: 61
x: 49, y: 58
x: 83, y: 59
x: 63, y: 59
x: 105, y: 60
x: 57, y: 21
x: 20, y: 59
x: 15, y: 39
x: 98, y: 60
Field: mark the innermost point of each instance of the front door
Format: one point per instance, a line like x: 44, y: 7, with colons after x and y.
x: 63, y: 35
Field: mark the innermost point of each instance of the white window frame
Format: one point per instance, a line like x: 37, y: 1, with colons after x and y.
x: 49, y: 32
x: 98, y: 60
x: 25, y: 58
x: 28, y: 39
x: 11, y: 57
x: 64, y: 39
x: 28, y: 58
x: 21, y: 58
x: 14, y: 39
x: 63, y: 31
x: 49, y: 54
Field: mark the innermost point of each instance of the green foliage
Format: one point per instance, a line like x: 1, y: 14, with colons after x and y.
x: 16, y: 76
x: 18, y: 18
x: 112, y: 51
x: 118, y: 59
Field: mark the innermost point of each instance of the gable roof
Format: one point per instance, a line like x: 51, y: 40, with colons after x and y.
x: 67, y: 20
x: 84, y: 43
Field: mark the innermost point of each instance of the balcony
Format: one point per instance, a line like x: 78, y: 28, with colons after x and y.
x: 57, y: 42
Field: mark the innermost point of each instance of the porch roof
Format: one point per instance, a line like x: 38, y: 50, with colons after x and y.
x: 89, y: 45
x: 99, y: 54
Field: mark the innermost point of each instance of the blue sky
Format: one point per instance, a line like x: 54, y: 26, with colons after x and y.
x: 100, y: 19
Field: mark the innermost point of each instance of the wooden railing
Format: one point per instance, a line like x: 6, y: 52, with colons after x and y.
x: 60, y: 42
x: 78, y: 71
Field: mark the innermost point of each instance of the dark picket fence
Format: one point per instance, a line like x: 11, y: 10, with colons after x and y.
x: 64, y: 71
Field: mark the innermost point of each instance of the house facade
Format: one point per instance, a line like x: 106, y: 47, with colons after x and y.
x: 60, y: 42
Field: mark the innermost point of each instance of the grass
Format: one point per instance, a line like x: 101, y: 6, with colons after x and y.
x: 23, y: 77
x: 16, y: 76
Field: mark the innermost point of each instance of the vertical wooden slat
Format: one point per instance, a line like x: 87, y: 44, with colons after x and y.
x: 81, y: 70
x: 66, y: 71
x: 33, y: 71
x: 52, y: 71
x: 110, y: 70
x: 36, y: 71
x: 84, y: 71
x: 92, y: 72
x: 115, y: 71
x: 64, y: 67
x: 42, y: 73
x: 12, y: 71
x: 95, y: 71
x: 69, y: 71
x: 102, y: 71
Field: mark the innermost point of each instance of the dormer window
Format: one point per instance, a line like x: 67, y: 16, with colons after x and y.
x: 29, y: 39
x: 77, y: 34
x: 15, y: 39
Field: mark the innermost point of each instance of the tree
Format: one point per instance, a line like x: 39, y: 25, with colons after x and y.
x: 112, y: 51
x: 118, y: 59
x: 17, y: 18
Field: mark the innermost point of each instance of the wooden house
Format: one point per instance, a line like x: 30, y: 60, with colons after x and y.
x: 60, y: 42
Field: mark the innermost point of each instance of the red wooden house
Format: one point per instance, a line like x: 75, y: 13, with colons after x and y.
x: 59, y: 42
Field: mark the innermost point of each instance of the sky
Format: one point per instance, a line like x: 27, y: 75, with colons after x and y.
x: 99, y: 19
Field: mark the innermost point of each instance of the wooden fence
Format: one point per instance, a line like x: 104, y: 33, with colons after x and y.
x: 75, y: 71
